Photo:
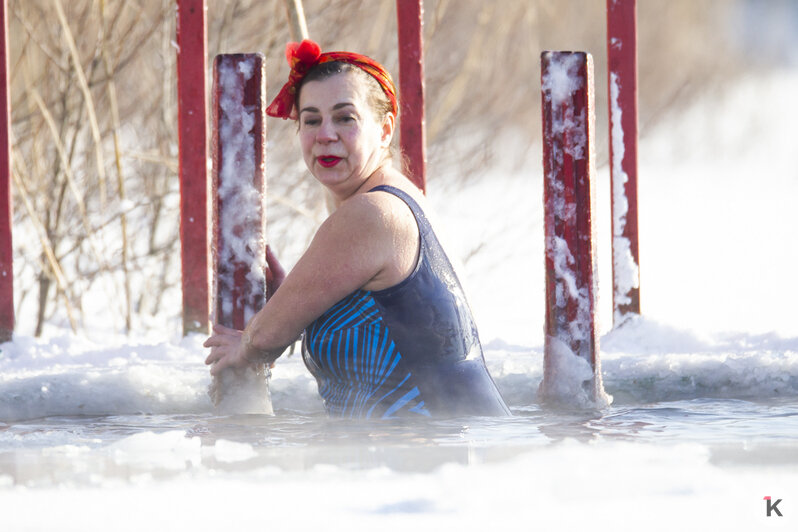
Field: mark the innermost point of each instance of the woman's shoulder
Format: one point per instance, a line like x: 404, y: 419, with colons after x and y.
x: 366, y: 208
x: 380, y: 204
x: 371, y: 216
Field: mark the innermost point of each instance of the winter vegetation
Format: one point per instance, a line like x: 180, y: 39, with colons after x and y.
x: 95, y: 176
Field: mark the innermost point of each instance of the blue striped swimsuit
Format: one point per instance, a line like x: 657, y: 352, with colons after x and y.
x: 409, y: 350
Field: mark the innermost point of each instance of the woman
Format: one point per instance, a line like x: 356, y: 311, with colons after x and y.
x: 387, y: 330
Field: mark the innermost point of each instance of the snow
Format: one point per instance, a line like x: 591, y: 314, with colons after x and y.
x: 241, y: 235
x: 570, y: 384
x: 572, y: 340
x: 559, y: 83
x: 240, y: 244
x: 699, y: 493
x: 626, y: 271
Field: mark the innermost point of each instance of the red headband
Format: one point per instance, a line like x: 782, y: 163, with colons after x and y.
x: 307, y: 54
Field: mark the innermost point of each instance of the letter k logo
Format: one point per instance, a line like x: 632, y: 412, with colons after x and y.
x: 772, y: 506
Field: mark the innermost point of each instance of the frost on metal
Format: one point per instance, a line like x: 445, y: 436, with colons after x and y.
x: 625, y: 267
x: 572, y: 373
x: 560, y: 83
x: 240, y: 249
x: 622, y: 103
x: 571, y: 381
x: 240, y: 277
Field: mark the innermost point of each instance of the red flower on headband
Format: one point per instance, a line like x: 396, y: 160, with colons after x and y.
x: 307, y: 54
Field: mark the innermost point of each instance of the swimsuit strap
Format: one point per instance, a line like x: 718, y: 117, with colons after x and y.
x: 418, y: 212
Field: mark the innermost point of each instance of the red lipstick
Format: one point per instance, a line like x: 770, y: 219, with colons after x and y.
x: 328, y: 161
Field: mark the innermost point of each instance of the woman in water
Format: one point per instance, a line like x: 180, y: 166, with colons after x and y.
x: 387, y: 329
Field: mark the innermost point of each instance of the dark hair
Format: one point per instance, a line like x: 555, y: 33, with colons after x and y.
x: 377, y: 99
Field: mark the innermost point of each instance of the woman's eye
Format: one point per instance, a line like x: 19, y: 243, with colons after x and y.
x: 311, y: 122
x: 345, y: 119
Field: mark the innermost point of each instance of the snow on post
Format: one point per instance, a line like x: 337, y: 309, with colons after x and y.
x: 193, y: 142
x: 6, y: 247
x: 572, y: 371
x: 412, y: 134
x: 239, y: 144
x: 239, y: 218
x: 622, y: 91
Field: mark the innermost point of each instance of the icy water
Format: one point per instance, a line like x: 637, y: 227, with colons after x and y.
x: 700, y: 430
x: 87, y: 450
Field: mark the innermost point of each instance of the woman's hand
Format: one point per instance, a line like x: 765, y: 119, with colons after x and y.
x: 227, y: 350
x: 275, y: 273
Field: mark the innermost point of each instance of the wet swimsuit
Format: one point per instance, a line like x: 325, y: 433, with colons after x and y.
x: 411, y: 349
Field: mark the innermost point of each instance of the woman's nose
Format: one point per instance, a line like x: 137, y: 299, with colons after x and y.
x: 326, y: 132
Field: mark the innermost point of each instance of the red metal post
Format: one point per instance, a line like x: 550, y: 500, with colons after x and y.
x: 412, y: 134
x: 622, y: 91
x: 239, y: 186
x: 239, y: 217
x: 6, y: 206
x: 193, y: 146
x: 568, y: 164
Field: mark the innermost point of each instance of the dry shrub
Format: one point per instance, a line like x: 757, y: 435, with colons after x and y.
x: 95, y: 159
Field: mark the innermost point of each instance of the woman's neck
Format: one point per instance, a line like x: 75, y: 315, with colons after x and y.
x: 380, y: 176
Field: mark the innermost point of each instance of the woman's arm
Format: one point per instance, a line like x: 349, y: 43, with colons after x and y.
x: 365, y: 242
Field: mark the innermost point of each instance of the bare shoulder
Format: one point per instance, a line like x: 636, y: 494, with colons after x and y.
x: 380, y: 230
x: 374, y: 213
x: 364, y: 228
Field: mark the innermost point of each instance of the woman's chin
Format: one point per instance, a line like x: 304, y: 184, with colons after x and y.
x: 328, y: 178
x: 333, y: 177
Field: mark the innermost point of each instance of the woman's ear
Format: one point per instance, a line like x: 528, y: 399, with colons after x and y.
x: 388, y: 125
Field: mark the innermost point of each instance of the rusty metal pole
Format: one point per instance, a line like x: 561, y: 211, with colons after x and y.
x: 239, y: 187
x: 239, y: 217
x: 6, y: 205
x: 412, y: 127
x: 193, y: 147
x: 622, y: 92
x: 568, y: 164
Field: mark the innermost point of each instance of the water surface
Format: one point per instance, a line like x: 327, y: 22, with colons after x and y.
x: 94, y: 449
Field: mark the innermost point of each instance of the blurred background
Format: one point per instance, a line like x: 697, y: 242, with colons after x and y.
x: 96, y: 189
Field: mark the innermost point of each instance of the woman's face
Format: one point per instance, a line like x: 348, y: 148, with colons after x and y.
x: 342, y: 142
